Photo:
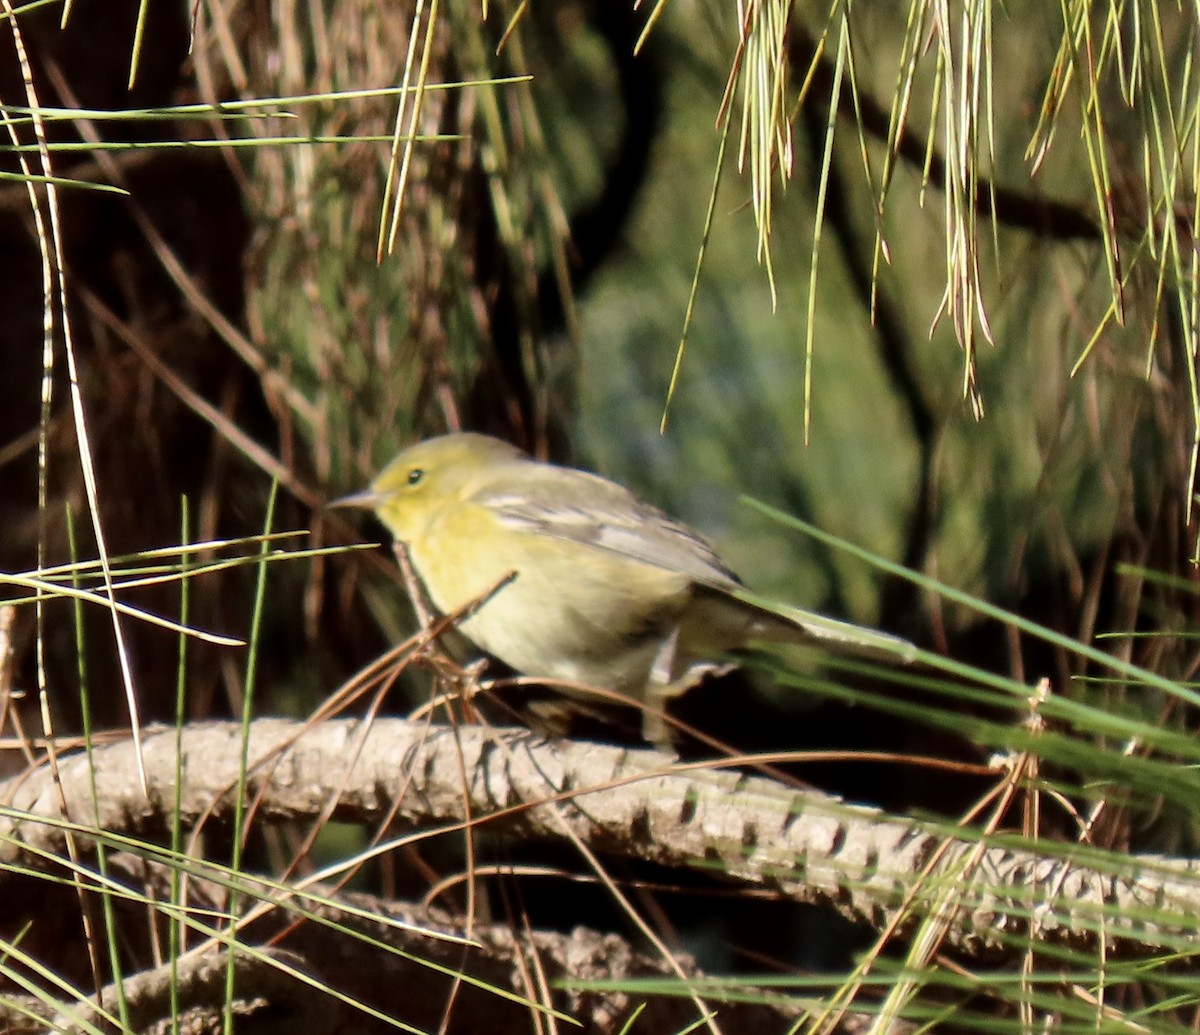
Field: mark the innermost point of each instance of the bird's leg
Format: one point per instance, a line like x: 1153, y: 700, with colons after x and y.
x: 472, y: 683
x: 662, y: 672
x: 664, y: 685
x: 659, y: 690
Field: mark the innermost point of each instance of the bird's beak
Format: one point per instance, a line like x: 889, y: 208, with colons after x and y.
x: 368, y: 499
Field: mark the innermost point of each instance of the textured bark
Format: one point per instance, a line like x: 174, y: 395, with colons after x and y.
x: 633, y: 803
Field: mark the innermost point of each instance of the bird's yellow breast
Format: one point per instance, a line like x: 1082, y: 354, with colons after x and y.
x: 572, y: 612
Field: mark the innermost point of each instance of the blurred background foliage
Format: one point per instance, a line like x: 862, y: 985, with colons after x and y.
x: 235, y: 322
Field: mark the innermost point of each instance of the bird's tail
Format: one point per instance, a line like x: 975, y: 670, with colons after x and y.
x: 787, y: 624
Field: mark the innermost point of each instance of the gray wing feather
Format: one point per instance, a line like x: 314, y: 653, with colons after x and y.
x: 586, y: 508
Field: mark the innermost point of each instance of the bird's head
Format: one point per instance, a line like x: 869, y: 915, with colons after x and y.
x: 426, y: 476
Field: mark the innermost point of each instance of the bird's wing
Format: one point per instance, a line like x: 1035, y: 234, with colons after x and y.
x: 585, y: 508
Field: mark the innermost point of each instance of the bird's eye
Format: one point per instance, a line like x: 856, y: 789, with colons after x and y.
x: 415, y: 475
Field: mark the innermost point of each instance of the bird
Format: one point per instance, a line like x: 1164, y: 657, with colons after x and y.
x: 569, y: 578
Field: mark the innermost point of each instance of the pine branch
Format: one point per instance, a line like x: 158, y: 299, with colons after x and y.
x: 634, y: 803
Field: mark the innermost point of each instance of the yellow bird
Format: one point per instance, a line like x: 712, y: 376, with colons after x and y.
x: 606, y: 591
